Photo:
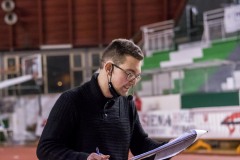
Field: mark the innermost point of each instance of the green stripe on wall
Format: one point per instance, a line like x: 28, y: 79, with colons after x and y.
x: 210, y: 99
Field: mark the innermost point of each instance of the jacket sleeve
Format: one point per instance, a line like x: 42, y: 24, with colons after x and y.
x: 58, y: 134
x: 140, y: 141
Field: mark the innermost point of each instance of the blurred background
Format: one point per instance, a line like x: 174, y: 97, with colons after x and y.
x: 191, y: 70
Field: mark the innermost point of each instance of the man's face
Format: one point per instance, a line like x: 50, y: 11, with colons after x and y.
x: 126, y: 75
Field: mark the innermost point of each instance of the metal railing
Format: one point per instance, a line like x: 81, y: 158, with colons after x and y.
x: 158, y: 36
x: 214, y: 26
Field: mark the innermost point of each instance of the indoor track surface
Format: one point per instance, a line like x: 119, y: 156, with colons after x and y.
x: 29, y: 153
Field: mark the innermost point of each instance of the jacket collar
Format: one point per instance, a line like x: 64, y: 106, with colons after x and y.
x: 96, y: 92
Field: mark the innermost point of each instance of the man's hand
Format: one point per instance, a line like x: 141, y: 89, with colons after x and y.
x: 95, y: 156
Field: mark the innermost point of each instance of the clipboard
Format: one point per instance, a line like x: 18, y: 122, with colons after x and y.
x: 173, y: 147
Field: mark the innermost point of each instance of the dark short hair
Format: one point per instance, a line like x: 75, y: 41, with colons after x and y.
x: 117, y: 50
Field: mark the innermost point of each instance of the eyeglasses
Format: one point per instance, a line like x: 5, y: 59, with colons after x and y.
x: 130, y: 76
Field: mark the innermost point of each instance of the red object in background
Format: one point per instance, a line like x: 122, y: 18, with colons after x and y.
x: 138, y: 103
x: 231, y: 121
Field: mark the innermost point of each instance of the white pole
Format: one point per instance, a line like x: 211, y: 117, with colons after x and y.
x: 14, y: 81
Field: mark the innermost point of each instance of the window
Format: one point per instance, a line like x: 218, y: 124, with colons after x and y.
x: 77, y: 69
x: 11, y: 70
x: 77, y: 78
x: 77, y: 61
x: 58, y: 73
x: 95, y: 62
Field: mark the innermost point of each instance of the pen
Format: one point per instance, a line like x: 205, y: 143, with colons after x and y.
x: 97, y: 151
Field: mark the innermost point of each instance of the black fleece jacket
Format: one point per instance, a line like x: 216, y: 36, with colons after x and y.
x: 83, y: 119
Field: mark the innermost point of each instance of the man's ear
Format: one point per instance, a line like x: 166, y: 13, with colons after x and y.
x: 109, y: 68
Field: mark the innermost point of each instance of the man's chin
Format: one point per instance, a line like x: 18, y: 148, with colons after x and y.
x: 124, y: 93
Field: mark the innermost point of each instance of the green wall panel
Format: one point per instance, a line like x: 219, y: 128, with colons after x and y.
x: 210, y: 99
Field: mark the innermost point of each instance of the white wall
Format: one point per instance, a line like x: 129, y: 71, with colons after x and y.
x: 167, y: 102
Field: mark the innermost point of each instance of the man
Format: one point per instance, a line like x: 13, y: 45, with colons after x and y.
x: 98, y: 120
